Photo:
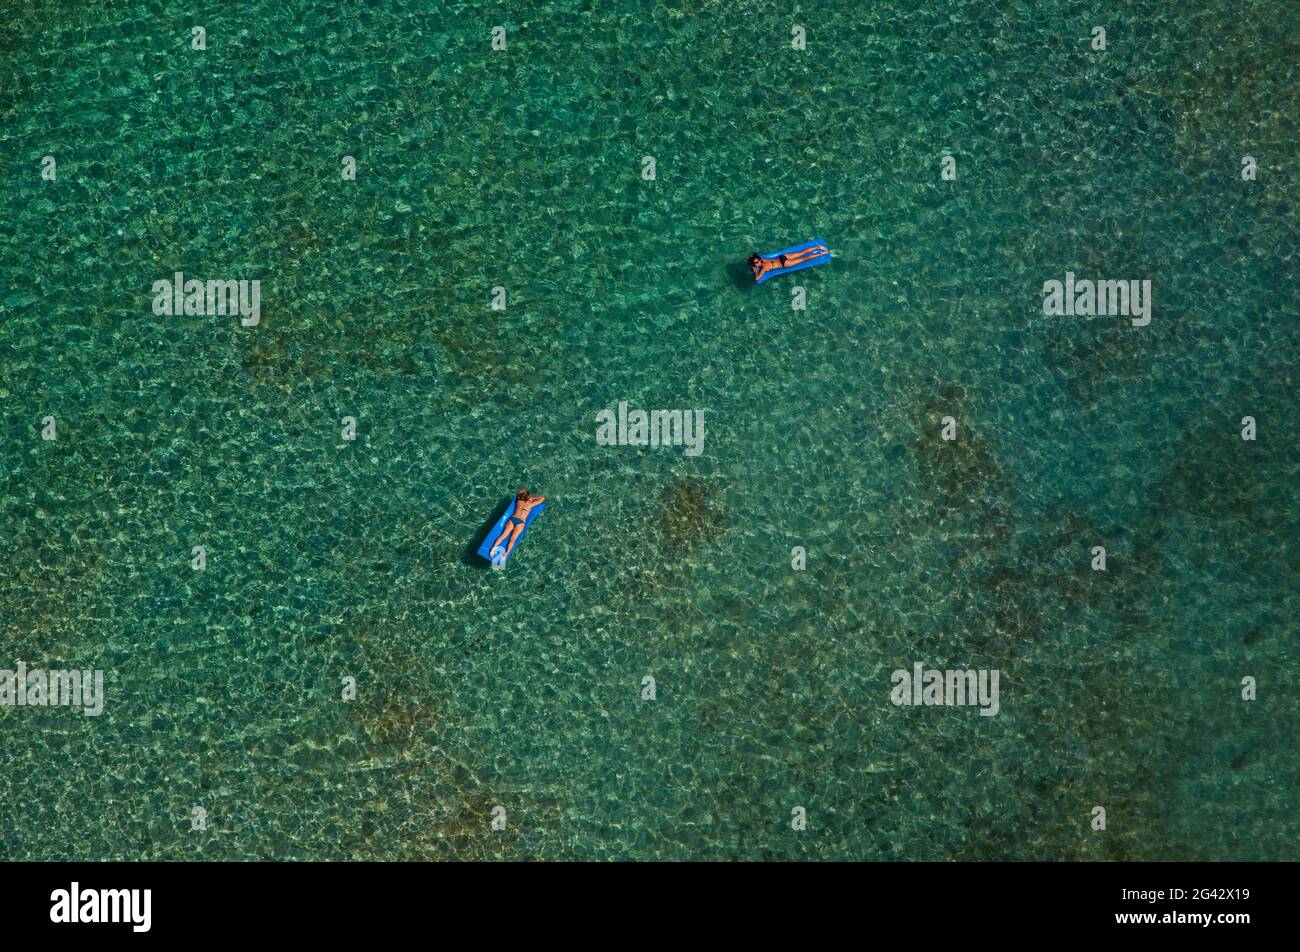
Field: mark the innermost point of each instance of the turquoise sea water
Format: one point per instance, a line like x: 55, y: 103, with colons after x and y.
x: 522, y: 168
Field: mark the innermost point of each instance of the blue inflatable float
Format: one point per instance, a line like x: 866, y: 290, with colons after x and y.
x: 808, y: 263
x: 485, y: 550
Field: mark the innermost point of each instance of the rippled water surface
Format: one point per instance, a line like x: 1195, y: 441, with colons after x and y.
x: 522, y: 169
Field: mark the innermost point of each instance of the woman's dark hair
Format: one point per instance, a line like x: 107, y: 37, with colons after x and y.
x: 521, y: 494
x: 753, y: 259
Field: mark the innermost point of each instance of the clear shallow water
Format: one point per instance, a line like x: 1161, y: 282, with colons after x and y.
x: 521, y: 168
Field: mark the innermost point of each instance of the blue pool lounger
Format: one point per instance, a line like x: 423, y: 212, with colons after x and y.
x: 811, y: 262
x: 485, y: 549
